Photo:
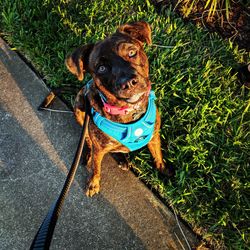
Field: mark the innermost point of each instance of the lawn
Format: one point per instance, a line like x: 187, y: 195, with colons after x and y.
x: 205, y: 112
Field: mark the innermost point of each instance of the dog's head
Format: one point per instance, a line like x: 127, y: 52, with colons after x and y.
x: 118, y: 64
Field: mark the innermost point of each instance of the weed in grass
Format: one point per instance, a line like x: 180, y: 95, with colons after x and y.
x: 205, y: 113
x: 211, y: 6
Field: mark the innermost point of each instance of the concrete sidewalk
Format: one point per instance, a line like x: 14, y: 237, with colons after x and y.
x: 36, y: 149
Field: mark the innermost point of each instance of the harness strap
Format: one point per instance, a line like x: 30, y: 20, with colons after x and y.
x: 133, y: 135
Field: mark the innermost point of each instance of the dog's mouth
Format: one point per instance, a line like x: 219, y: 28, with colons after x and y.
x: 134, y: 98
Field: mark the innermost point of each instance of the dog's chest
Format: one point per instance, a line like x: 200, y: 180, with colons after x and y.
x: 138, y: 113
x: 103, y: 140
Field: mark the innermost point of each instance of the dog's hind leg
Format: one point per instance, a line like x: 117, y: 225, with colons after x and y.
x: 79, y: 115
x: 79, y: 107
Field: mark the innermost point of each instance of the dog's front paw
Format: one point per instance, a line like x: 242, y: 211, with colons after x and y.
x: 167, y: 171
x: 93, y: 187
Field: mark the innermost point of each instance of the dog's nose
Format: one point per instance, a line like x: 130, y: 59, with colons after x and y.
x: 129, y: 84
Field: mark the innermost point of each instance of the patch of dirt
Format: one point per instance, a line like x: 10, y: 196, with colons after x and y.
x: 236, y: 27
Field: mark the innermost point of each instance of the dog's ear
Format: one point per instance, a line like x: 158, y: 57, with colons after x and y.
x: 138, y: 30
x: 77, y: 62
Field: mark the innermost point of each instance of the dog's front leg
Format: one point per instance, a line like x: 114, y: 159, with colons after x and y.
x: 154, y: 147
x: 94, y: 182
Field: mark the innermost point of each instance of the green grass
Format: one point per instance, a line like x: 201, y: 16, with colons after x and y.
x: 205, y: 113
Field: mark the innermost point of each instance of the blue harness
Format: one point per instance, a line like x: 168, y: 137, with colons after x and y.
x: 133, y: 135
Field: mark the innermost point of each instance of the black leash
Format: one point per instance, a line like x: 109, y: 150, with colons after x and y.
x: 44, y: 235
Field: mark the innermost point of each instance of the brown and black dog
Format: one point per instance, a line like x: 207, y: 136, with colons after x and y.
x: 120, y: 71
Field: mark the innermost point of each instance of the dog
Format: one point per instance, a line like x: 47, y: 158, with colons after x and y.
x: 120, y: 96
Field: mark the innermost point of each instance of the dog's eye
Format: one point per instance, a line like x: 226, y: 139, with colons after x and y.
x: 101, y: 69
x: 132, y: 53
